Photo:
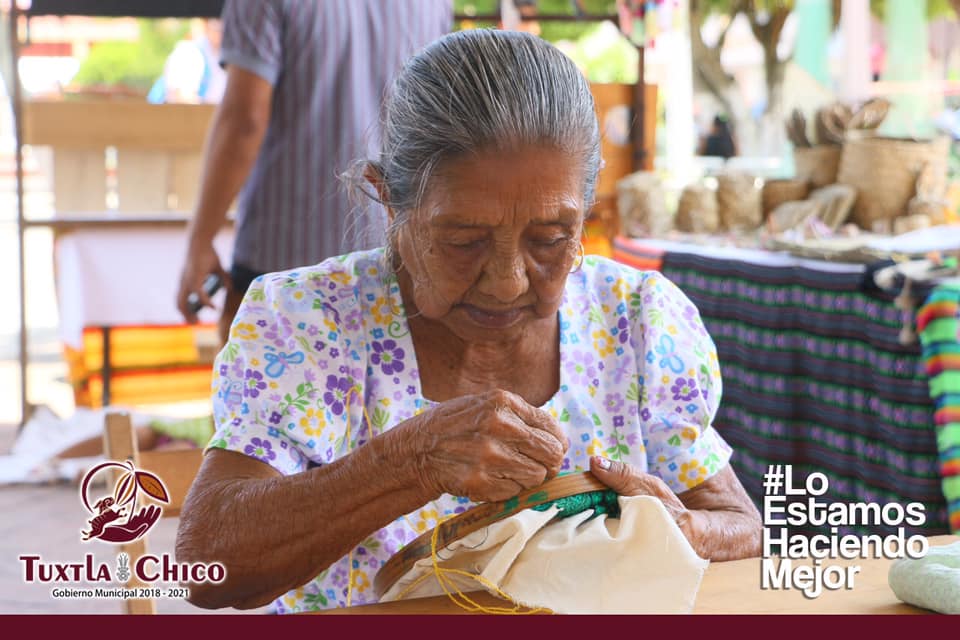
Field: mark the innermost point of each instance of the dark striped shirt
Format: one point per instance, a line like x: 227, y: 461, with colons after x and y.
x: 330, y: 63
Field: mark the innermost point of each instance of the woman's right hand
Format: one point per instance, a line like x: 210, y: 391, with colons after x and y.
x: 486, y: 447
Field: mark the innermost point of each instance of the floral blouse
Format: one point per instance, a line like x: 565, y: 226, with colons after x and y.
x: 311, y: 348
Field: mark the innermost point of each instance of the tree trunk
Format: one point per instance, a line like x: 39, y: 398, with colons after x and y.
x: 709, y: 74
x: 768, y: 35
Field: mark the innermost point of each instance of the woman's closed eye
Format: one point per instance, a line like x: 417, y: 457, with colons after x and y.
x: 554, y: 241
x: 466, y: 244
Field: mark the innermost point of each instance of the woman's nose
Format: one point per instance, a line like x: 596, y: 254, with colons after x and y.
x: 505, y: 276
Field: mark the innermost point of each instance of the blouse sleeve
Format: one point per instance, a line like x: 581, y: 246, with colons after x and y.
x: 680, y: 385
x: 283, y: 390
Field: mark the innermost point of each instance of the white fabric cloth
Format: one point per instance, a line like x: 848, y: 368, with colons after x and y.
x: 123, y: 276
x: 639, y: 563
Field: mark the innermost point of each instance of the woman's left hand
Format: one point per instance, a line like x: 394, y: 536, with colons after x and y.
x: 626, y: 480
x: 716, y: 516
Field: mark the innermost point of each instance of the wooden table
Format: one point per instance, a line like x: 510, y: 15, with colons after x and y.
x: 728, y: 588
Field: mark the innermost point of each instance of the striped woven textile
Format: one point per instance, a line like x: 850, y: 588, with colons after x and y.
x: 636, y: 254
x: 938, y: 323
x: 814, y: 376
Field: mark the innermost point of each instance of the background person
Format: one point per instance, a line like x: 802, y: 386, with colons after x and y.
x: 304, y: 85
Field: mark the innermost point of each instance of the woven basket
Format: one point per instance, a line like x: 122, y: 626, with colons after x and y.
x: 697, y: 210
x: 776, y: 192
x: 642, y: 205
x: 738, y: 202
x: 885, y: 170
x: 837, y: 201
x: 817, y: 165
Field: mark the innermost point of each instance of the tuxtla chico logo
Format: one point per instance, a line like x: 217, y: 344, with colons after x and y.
x: 110, y: 509
x: 115, y: 520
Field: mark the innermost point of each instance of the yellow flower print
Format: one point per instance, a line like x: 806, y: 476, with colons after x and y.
x: 672, y: 329
x: 292, y: 599
x: 689, y: 434
x: 425, y: 516
x: 330, y: 324
x: 595, y: 447
x: 340, y: 277
x: 359, y: 580
x: 665, y: 379
x: 313, y: 422
x: 244, y: 331
x: 692, y: 473
x: 603, y: 343
x: 298, y: 295
x: 254, y: 362
x: 383, y: 311
x: 620, y: 289
x: 372, y: 271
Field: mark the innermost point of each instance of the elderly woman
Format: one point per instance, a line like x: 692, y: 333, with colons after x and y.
x: 361, y: 400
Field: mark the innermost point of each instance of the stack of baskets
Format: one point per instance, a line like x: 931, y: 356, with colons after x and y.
x: 887, y: 174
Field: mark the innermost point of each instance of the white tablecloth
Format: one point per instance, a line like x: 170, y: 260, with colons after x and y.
x: 124, y: 276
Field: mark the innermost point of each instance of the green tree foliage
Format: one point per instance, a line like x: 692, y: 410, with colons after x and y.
x: 136, y: 65
x: 935, y: 8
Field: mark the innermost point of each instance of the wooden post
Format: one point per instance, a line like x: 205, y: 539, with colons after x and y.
x: 637, y: 128
x: 17, y: 98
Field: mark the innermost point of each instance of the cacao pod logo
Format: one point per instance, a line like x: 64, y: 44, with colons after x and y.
x: 112, y: 521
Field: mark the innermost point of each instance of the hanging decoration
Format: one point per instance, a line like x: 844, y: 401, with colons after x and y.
x: 643, y: 21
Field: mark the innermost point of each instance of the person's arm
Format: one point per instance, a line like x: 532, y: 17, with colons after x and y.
x: 232, y: 146
x: 717, y: 516
x: 274, y: 533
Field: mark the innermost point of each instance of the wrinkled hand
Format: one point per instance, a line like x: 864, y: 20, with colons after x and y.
x: 486, y: 447
x: 201, y: 261
x: 627, y: 480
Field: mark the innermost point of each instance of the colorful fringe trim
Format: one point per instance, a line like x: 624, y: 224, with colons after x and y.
x: 938, y: 323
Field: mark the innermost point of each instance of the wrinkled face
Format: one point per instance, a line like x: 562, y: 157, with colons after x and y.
x: 489, y: 251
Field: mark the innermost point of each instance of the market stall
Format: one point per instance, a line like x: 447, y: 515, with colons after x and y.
x: 815, y: 370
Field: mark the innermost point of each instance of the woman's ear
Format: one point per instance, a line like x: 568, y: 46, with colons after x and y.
x: 373, y: 174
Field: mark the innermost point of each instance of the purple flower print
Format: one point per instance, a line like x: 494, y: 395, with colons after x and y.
x: 623, y: 334
x: 339, y: 577
x: 684, y: 389
x: 334, y: 353
x: 645, y: 415
x: 223, y: 369
x: 276, y: 417
x: 632, y: 438
x: 353, y: 320
x: 581, y: 368
x: 388, y: 355
x: 261, y: 323
x: 336, y: 394
x: 319, y: 346
x: 253, y: 384
x: 617, y: 421
x: 309, y: 375
x: 260, y: 449
x: 620, y: 372
x: 613, y: 402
